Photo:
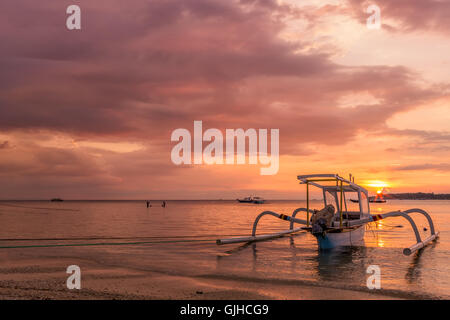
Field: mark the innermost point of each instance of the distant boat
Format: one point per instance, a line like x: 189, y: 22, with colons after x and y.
x: 57, y: 200
x: 371, y: 199
x: 257, y: 200
x: 245, y: 200
x: 377, y: 200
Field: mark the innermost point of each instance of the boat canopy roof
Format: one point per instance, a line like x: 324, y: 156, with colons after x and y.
x: 323, y: 181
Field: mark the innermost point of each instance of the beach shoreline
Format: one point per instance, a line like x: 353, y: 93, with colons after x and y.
x: 39, y: 279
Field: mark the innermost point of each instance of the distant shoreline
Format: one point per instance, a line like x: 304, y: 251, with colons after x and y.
x: 417, y: 196
x: 390, y: 196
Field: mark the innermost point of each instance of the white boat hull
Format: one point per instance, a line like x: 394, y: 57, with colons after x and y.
x: 340, y: 239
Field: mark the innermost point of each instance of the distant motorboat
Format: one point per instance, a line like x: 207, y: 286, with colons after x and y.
x: 245, y: 200
x: 56, y: 200
x: 377, y: 200
x: 257, y: 200
x: 371, y: 199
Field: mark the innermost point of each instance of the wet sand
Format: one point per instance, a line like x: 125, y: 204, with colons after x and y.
x: 46, y: 279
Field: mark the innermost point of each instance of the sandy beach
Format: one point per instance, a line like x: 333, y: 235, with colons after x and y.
x: 46, y: 279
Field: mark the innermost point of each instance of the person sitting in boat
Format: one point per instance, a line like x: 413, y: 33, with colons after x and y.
x: 322, y: 219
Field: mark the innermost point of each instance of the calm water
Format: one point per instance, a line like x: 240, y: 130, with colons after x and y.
x: 296, y: 258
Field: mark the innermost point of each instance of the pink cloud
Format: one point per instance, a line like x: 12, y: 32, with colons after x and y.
x: 409, y: 15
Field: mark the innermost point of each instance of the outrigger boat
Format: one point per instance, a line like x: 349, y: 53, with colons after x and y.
x: 336, y: 225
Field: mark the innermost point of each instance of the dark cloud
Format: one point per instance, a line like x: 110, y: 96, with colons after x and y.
x: 153, y: 66
x: 4, y: 145
x: 425, y: 166
x: 151, y: 59
x: 427, y: 136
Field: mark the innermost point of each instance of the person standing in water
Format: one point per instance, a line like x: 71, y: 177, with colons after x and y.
x: 163, y: 204
x: 148, y: 204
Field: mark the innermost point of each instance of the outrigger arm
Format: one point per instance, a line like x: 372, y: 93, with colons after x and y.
x: 405, y: 214
x: 292, y: 219
x: 254, y: 237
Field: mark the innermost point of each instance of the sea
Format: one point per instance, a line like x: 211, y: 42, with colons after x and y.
x: 180, y: 239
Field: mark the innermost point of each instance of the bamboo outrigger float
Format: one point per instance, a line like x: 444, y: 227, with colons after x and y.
x: 342, y: 227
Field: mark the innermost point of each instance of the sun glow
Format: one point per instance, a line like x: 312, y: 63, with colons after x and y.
x: 377, y: 184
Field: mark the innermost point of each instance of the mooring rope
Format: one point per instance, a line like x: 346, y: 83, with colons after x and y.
x: 103, y: 244
x: 123, y: 238
x: 212, y: 240
x: 38, y: 208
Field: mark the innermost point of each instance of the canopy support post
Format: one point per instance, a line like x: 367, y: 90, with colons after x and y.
x: 307, y: 204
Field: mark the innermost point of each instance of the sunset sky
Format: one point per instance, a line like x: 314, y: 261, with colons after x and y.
x: 88, y: 114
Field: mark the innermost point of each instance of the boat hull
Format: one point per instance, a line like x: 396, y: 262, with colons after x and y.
x: 348, y: 237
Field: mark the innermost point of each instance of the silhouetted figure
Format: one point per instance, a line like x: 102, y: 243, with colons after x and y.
x: 163, y: 204
x: 148, y: 204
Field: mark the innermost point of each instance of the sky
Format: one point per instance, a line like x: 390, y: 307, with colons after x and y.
x: 88, y: 114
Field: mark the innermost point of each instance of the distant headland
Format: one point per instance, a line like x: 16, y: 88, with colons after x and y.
x: 418, y: 196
